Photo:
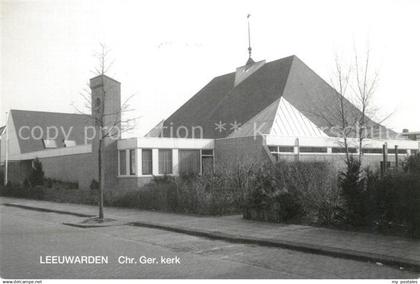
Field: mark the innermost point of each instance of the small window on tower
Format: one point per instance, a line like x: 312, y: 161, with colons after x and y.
x: 98, y: 102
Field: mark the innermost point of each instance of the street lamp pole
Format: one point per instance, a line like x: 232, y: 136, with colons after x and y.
x: 6, y: 150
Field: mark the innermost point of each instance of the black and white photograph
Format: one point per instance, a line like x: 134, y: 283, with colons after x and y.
x: 215, y: 140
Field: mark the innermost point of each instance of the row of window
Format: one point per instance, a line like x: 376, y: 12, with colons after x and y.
x: 51, y: 144
x: 189, y: 161
x: 304, y: 149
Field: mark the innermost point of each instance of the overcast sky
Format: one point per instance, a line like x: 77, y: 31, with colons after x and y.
x: 165, y: 51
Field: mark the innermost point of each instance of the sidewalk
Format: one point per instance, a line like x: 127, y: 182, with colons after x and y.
x: 363, y: 246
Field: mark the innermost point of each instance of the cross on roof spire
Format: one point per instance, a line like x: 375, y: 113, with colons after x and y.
x: 250, y: 61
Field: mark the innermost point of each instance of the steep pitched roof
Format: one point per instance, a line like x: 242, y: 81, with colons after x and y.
x: 156, y: 131
x: 66, y: 123
x: 261, y: 123
x: 223, y: 101
x: 319, y: 102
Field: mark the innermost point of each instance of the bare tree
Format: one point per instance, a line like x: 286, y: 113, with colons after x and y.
x: 364, y: 89
x: 108, y: 125
x: 347, y: 114
x: 340, y: 83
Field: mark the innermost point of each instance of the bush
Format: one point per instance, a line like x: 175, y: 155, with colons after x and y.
x: 14, y: 190
x: 412, y: 165
x: 394, y: 201
x: 293, y: 191
x: 1, y: 177
x: 213, y: 194
x: 315, y: 185
x: 387, y: 203
x: 52, y: 190
x: 354, y: 193
x: 37, y: 174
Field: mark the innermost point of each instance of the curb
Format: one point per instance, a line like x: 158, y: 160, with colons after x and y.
x: 292, y: 245
x: 86, y: 226
x: 47, y: 210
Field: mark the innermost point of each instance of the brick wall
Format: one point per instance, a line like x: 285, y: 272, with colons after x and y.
x: 18, y: 171
x: 81, y: 168
x: 230, y: 152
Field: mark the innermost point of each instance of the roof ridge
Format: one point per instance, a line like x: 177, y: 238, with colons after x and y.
x: 48, y: 112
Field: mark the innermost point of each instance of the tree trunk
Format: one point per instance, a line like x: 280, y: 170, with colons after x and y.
x: 101, y: 185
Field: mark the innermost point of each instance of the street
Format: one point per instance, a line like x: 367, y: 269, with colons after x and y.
x: 26, y: 236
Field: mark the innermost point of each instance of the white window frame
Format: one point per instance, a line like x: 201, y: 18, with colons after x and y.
x: 127, y: 163
x: 157, y: 164
x: 140, y: 166
x: 206, y: 155
x: 189, y: 149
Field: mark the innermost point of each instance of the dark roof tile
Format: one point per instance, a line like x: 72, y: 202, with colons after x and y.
x: 73, y: 124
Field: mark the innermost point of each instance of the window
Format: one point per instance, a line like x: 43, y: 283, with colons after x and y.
x: 207, y: 161
x: 281, y: 149
x: 414, y: 152
x: 49, y: 143
x: 286, y: 149
x: 400, y: 151
x: 69, y: 143
x: 313, y: 149
x: 165, y: 161
x: 372, y: 151
x: 207, y: 152
x: 133, y: 164
x: 343, y: 150
x: 276, y: 150
x: 147, y: 164
x: 98, y: 102
x: 123, y: 165
x: 189, y: 161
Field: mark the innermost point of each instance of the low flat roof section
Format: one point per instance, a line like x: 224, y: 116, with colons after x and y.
x: 334, y: 142
x: 165, y: 143
x: 48, y: 153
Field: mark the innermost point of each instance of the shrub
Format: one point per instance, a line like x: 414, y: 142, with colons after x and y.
x: 37, y: 174
x: 315, y: 185
x: 387, y: 203
x: 36, y: 192
x: 14, y: 190
x: 1, y: 177
x: 294, y: 190
x: 211, y: 194
x: 130, y: 199
x: 48, y: 182
x: 395, y: 200
x: 353, y: 190
x: 412, y: 165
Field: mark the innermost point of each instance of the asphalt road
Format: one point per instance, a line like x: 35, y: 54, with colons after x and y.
x: 27, y: 235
